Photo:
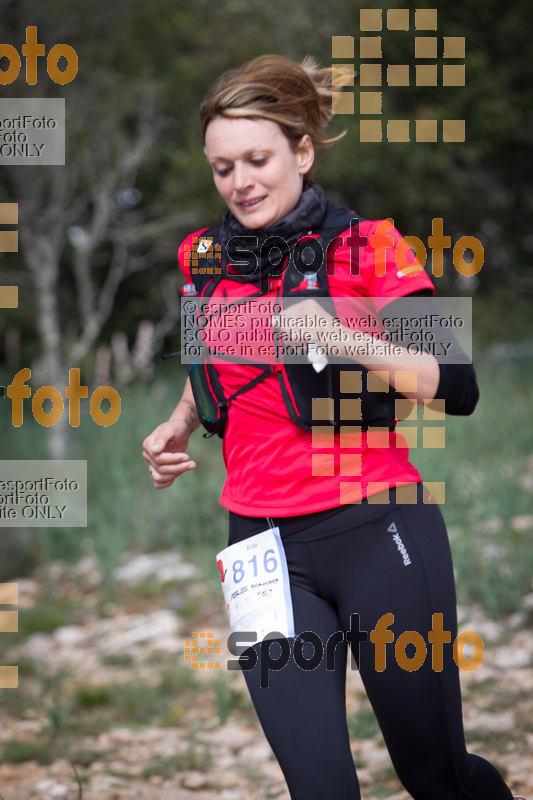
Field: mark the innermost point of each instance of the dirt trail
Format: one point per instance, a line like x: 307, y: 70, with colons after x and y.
x: 109, y: 690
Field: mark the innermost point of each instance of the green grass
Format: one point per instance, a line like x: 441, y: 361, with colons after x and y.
x: 485, y: 458
x: 78, y: 782
x: 91, y: 696
x: 382, y: 792
x: 363, y: 724
x: 167, y: 767
x: 116, y: 659
x: 88, y: 710
x: 84, y: 757
x: 228, y: 699
x: 16, y: 752
x: 47, y: 615
x: 135, y: 702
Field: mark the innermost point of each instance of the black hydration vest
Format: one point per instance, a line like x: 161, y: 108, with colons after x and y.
x: 300, y: 383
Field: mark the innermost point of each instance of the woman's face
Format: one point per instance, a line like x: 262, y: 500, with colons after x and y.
x: 255, y: 170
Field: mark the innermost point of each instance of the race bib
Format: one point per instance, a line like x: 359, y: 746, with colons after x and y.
x: 255, y: 582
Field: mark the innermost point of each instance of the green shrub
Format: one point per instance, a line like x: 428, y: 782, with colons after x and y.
x: 16, y: 752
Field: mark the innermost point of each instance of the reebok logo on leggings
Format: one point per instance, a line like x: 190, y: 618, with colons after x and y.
x: 399, y: 544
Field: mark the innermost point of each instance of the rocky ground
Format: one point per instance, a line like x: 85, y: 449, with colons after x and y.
x: 104, y: 689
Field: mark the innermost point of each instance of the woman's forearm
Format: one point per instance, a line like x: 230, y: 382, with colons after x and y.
x: 186, y: 409
x: 381, y: 356
x: 376, y: 354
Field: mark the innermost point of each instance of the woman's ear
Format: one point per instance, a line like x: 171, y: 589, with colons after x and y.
x: 306, y: 154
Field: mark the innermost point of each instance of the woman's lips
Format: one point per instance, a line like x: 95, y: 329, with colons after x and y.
x: 250, y: 204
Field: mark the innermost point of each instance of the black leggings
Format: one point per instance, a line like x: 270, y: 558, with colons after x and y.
x: 368, y: 560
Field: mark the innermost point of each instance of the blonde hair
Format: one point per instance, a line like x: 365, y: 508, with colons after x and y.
x: 296, y: 96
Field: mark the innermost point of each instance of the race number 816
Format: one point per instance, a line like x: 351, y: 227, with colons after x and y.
x: 270, y: 564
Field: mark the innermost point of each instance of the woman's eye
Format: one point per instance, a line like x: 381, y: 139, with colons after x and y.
x: 255, y: 162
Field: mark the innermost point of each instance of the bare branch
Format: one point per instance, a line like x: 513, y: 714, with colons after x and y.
x: 170, y: 320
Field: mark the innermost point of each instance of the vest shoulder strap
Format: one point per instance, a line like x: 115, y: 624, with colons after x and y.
x: 337, y: 218
x: 206, y: 256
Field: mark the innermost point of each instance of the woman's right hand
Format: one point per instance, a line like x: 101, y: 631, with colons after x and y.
x: 164, y: 450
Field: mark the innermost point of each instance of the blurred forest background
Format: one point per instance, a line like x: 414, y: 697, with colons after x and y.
x: 98, y: 280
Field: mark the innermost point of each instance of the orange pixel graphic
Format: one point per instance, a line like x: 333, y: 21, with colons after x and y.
x: 326, y: 460
x: 202, y: 248
x: 202, y: 644
x: 8, y: 624
x: 9, y: 239
x: 373, y: 73
x: 9, y: 243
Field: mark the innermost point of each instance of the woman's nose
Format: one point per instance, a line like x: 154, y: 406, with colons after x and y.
x: 241, y: 177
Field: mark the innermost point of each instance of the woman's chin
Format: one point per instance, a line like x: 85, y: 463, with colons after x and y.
x: 260, y: 217
x: 253, y: 220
